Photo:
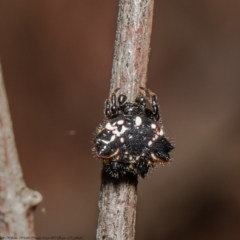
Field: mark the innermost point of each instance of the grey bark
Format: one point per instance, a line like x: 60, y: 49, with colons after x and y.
x: 118, y: 200
x: 17, y: 202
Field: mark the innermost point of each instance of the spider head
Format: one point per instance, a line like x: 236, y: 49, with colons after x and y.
x: 128, y: 108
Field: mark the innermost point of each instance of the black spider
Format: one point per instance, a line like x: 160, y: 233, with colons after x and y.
x: 132, y: 140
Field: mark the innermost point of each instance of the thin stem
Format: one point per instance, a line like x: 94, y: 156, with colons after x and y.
x: 17, y: 202
x: 118, y: 199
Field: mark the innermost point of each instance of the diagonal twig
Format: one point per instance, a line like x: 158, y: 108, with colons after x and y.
x: 118, y: 198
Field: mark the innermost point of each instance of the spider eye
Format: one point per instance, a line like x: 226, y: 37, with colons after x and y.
x: 122, y: 99
x: 140, y: 100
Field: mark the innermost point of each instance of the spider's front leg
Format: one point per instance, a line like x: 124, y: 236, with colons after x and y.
x: 155, y: 110
x: 107, y: 112
x: 111, y: 108
x: 114, y: 107
x: 155, y: 106
x: 141, y: 101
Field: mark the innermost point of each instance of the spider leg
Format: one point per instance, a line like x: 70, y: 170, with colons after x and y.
x: 114, y: 107
x: 153, y: 101
x: 107, y: 110
x: 141, y: 101
x: 111, y: 107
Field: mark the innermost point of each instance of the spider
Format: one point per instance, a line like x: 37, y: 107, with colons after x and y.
x: 132, y: 139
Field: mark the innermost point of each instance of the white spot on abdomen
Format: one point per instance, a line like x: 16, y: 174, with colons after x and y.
x: 123, y: 130
x: 155, y: 137
x: 149, y: 143
x: 120, y: 122
x: 153, y: 126
x: 153, y: 156
x: 113, y: 138
x: 122, y: 140
x: 106, y: 142
x: 116, y: 132
x: 109, y: 126
x: 138, y: 121
x: 161, y: 132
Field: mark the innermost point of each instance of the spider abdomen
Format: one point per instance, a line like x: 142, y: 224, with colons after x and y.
x: 131, y: 143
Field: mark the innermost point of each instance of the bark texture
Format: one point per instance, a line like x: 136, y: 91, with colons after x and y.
x: 117, y: 204
x: 118, y: 198
x: 17, y: 202
x: 132, y: 46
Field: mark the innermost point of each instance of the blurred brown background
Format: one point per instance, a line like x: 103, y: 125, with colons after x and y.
x: 56, y: 58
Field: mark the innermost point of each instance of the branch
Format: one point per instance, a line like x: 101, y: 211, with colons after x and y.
x: 118, y: 198
x: 17, y: 202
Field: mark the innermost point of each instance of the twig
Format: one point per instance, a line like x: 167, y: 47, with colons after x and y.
x: 118, y: 200
x: 17, y: 202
